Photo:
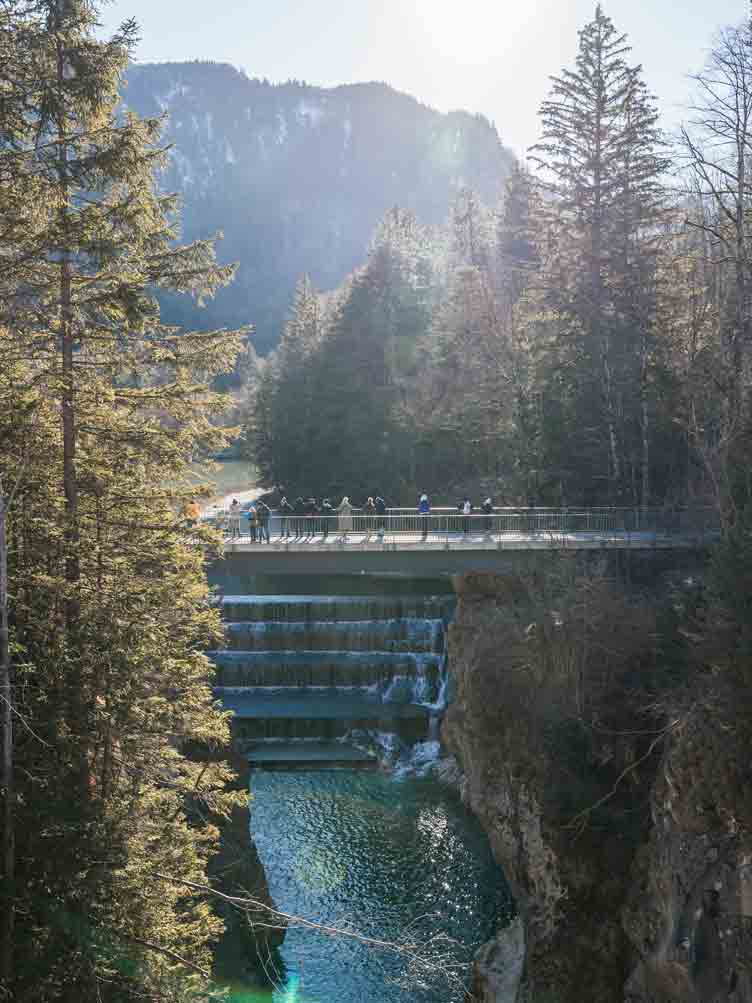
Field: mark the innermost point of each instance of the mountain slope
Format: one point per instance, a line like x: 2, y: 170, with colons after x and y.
x: 297, y: 177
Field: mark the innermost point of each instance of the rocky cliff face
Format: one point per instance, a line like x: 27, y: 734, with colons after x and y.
x: 618, y: 807
x: 298, y: 177
x: 251, y: 934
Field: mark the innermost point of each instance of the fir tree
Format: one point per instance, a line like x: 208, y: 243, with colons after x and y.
x: 107, y: 608
x: 600, y: 157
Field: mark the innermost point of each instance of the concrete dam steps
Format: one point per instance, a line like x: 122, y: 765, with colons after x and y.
x: 312, y: 608
x: 301, y: 673
x: 408, y: 633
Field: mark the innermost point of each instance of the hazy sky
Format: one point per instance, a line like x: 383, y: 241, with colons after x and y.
x: 482, y: 55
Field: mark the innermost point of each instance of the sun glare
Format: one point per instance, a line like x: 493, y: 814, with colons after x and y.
x: 467, y: 35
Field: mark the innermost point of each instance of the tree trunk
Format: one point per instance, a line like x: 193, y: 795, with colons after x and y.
x: 7, y: 914
x: 70, y: 484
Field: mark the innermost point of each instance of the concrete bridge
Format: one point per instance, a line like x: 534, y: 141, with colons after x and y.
x: 445, y: 542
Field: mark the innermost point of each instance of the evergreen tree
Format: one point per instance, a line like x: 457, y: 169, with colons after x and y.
x: 518, y: 265
x: 103, y: 408
x: 355, y: 395
x: 292, y: 418
x: 601, y: 163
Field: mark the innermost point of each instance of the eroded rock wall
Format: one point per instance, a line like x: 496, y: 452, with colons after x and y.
x: 253, y: 933
x: 688, y: 913
x: 614, y: 803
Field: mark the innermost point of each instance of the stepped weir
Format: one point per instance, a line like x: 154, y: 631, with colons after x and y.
x: 305, y: 674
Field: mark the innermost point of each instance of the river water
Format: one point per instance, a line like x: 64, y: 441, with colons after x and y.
x: 394, y: 859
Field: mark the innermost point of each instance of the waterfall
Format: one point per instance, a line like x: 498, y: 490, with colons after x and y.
x: 302, y: 674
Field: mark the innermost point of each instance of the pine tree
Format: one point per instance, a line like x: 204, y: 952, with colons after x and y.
x: 517, y: 268
x: 108, y: 603
x: 292, y: 418
x: 601, y: 162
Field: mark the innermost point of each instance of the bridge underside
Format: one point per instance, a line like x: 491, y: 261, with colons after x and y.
x: 436, y: 560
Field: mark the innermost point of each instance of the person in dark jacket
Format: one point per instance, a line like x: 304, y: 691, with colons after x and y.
x: 424, y: 511
x: 327, y: 517
x: 299, y: 520
x: 369, y: 518
x: 285, y: 515
x: 263, y: 514
x: 487, y: 509
x: 312, y: 511
x: 380, y: 506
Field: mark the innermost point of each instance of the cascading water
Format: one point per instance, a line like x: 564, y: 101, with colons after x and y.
x: 317, y: 669
x: 317, y: 682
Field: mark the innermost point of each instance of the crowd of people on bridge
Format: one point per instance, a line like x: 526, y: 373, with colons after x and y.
x: 305, y: 518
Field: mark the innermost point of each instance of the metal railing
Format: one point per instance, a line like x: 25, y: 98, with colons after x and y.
x: 407, y: 526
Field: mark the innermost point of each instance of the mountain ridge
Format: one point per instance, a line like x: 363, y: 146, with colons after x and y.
x: 298, y: 176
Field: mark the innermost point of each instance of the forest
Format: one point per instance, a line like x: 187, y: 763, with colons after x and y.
x: 584, y: 342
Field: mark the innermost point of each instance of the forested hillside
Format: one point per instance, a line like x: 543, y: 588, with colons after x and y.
x: 584, y: 342
x: 297, y: 177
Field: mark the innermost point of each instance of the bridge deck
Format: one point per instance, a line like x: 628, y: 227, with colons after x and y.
x: 622, y: 540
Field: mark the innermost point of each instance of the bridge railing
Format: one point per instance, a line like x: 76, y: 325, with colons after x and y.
x: 448, y: 525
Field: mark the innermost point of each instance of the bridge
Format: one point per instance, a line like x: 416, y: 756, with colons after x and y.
x: 445, y: 542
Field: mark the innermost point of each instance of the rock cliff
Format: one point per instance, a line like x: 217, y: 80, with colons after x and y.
x: 613, y: 783
x: 251, y: 935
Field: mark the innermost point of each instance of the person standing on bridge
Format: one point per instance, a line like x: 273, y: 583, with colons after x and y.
x: 263, y: 514
x: 466, y: 508
x: 285, y: 516
x: 327, y: 514
x: 424, y: 511
x: 369, y: 512
x: 253, y: 521
x: 192, y: 513
x: 487, y: 509
x: 345, y: 519
x: 233, y: 521
x: 299, y: 521
x: 380, y: 506
x: 311, y: 512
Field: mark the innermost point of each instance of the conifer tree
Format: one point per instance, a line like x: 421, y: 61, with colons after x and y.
x: 517, y: 267
x: 292, y: 419
x: 601, y: 163
x: 471, y: 231
x: 108, y: 604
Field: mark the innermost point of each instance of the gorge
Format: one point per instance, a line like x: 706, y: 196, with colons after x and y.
x: 608, y: 816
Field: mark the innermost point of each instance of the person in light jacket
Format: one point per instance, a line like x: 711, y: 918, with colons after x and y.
x: 344, y: 513
x: 233, y: 518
